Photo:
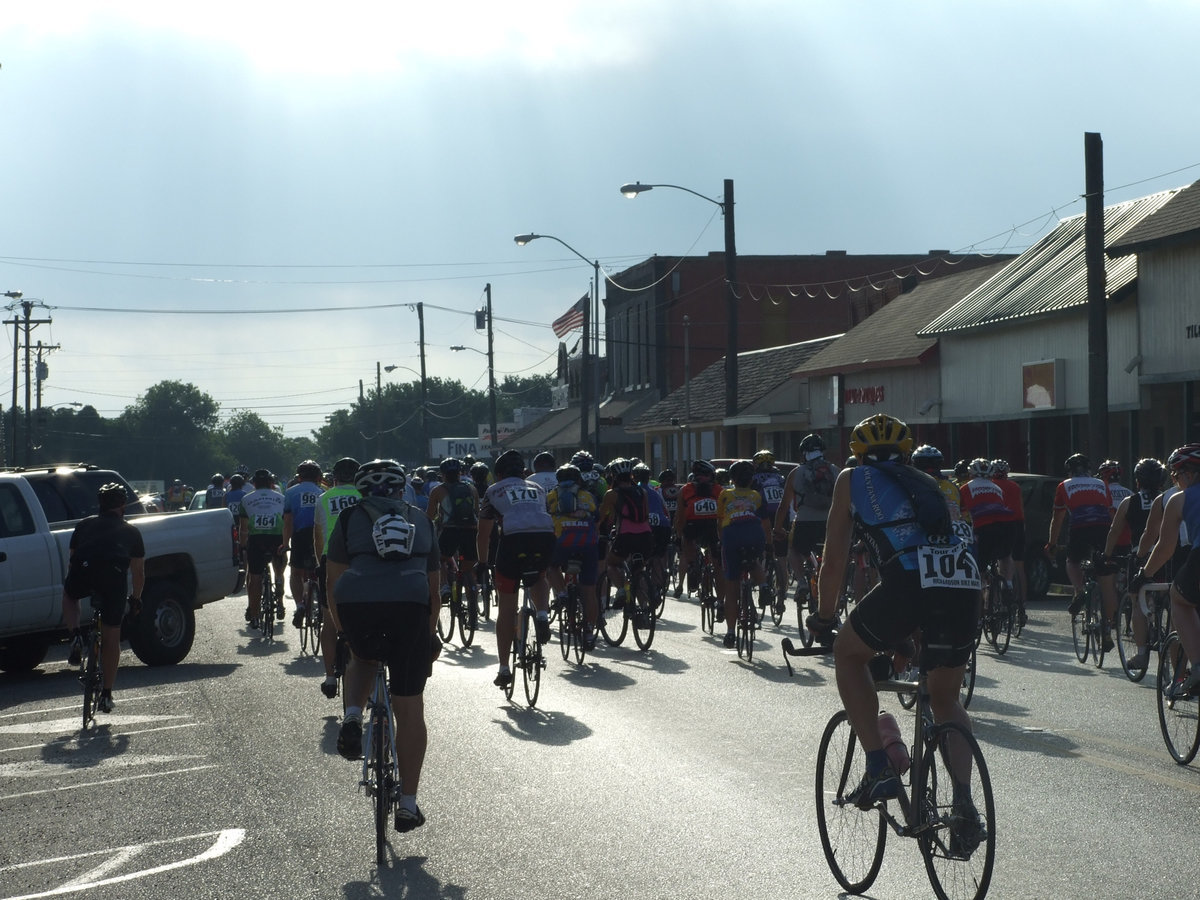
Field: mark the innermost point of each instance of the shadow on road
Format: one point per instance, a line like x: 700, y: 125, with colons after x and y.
x: 540, y: 726
x: 404, y: 877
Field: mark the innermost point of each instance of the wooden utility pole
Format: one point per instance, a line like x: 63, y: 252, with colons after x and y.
x: 1097, y: 299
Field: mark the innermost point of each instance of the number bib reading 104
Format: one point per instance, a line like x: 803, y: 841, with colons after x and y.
x: 950, y: 566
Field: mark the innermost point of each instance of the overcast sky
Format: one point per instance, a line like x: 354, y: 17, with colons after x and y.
x: 170, y: 173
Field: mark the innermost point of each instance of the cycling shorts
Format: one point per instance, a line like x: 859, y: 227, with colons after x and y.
x: 807, y: 537
x: 948, y: 618
x: 398, y: 634
x: 662, y: 539
x: 522, y: 558
x: 588, y: 557
x: 304, y: 555
x: 1085, y: 542
x: 703, y: 533
x: 261, y: 548
x: 738, y: 542
x: 626, y: 545
x: 994, y: 542
x: 459, y: 542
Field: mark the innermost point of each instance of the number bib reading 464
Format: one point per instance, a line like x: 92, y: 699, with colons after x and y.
x: 950, y: 566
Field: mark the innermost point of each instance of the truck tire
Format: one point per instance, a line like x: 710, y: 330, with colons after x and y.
x: 23, y: 654
x: 163, y: 633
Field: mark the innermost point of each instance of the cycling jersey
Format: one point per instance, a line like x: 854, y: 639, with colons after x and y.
x: 739, y: 505
x: 628, y: 508
x: 985, y: 501
x: 1012, y: 499
x: 658, y: 517
x: 300, y: 502
x: 694, y: 504
x: 670, y: 496
x: 1086, y: 500
x: 770, y: 484
x: 519, y: 504
x: 1119, y: 492
x: 262, y: 509
x: 1136, y: 514
x: 547, y: 480
x: 233, y: 500
x: 214, y: 498
x: 330, y: 506
x: 571, y: 528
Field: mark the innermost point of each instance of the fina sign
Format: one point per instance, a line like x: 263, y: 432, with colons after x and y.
x: 440, y: 448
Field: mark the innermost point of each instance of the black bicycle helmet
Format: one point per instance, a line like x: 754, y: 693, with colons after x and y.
x: 1109, y: 471
x: 380, y: 477
x: 666, y: 476
x: 812, y: 443
x: 218, y: 480
x: 236, y: 481
x: 641, y: 473
x: 544, y: 462
x: 345, y: 469
x: 262, y: 478
x: 450, y: 464
x: 928, y: 458
x: 480, y: 471
x: 1148, y: 474
x: 510, y: 464
x: 704, y: 467
x: 742, y: 472
x: 112, y: 496
x: 621, y: 467
x: 309, y: 470
x: 568, y: 473
x: 1077, y: 464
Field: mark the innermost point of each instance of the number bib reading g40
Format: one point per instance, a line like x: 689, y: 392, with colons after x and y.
x: 950, y: 566
x: 706, y: 506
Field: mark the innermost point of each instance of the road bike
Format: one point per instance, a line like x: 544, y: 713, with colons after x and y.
x: 1000, y: 616
x: 710, y: 603
x: 380, y: 770
x: 806, y: 595
x: 571, y: 628
x: 458, y: 606
x: 525, y: 654
x: 945, y: 803
x: 487, y: 590
x: 310, y: 624
x: 1149, y: 612
x: 270, y: 602
x: 1178, y: 711
x: 91, y: 670
x: 638, y: 602
x: 1088, y: 626
x: 768, y: 600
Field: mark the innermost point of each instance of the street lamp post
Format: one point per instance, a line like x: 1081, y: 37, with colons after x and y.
x: 731, y: 300
x: 585, y: 388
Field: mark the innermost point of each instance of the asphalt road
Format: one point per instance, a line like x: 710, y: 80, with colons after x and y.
x: 683, y: 772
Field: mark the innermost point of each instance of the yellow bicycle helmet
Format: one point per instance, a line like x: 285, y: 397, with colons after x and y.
x: 881, y: 437
x: 764, y: 459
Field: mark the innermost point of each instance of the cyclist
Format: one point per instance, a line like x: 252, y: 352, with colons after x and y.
x: 299, y: 513
x: 669, y: 488
x: 660, y: 523
x: 696, y: 522
x: 878, y: 500
x: 1182, y: 509
x: 574, y: 513
x: 342, y: 495
x: 770, y: 483
x: 260, y: 517
x: 526, y: 544
x: 1084, y: 501
x: 744, y: 531
x: 998, y: 471
x: 929, y: 459
x: 383, y: 581
x: 237, y: 490
x: 807, y: 493
x: 992, y: 521
x: 544, y: 468
x: 626, y: 511
x: 1154, y: 525
x: 214, y: 494
x: 1128, y: 526
x: 102, y: 550
x: 454, y: 505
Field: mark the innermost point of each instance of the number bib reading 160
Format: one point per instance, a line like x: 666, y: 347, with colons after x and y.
x: 950, y: 566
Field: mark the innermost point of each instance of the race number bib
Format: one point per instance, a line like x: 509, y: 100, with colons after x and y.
x: 773, y: 494
x: 264, y: 523
x: 948, y: 566
x: 524, y: 495
x: 653, y: 521
x: 963, y: 531
x: 705, y: 506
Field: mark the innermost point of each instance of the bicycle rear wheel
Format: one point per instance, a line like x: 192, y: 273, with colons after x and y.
x: 468, y: 619
x: 267, y: 606
x: 314, y: 619
x: 532, y: 670
x: 958, y: 836
x: 1178, y: 717
x: 91, y: 678
x: 746, y: 616
x: 1080, y: 636
x: 967, y: 691
x: 446, y: 616
x: 381, y: 754
x: 566, y: 624
x: 853, y: 839
x: 1126, y: 643
x: 614, y: 622
x: 644, y: 620
x: 516, y: 658
x: 1096, y: 626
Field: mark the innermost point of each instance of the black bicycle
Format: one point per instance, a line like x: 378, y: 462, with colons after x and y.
x: 1088, y: 627
x: 571, y: 629
x: 313, y: 619
x: 380, y: 770
x: 91, y: 671
x: 1000, y: 617
x: 637, y: 607
x: 525, y: 654
x: 1148, y: 614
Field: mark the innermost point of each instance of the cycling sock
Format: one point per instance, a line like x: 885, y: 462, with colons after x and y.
x: 543, y: 616
x: 409, y: 802
x: 877, y: 761
x: 353, y: 712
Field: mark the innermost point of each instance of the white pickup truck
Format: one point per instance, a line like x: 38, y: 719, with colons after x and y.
x: 190, y: 560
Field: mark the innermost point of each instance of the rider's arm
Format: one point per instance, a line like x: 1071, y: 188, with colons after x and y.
x: 137, y: 568
x: 1168, y: 534
x: 1153, y: 524
x: 1118, y: 525
x: 435, y: 499
x: 789, y: 497
x: 287, y: 529
x: 1056, y: 521
x: 839, y: 533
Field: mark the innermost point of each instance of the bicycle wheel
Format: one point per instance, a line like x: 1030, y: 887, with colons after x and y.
x: 532, y: 671
x: 485, y: 593
x: 746, y: 616
x: 1126, y: 643
x: 1004, y: 627
x: 468, y: 617
x: 957, y: 826
x: 967, y: 691
x: 314, y: 618
x: 613, y: 623
x: 446, y: 616
x: 516, y: 658
x: 267, y: 607
x: 91, y: 678
x: 381, y: 754
x: 643, y: 617
x: 577, y: 626
x: 566, y: 624
x: 778, y: 601
x: 853, y: 839
x: 1096, y: 625
x: 1080, y: 636
x: 1178, y: 717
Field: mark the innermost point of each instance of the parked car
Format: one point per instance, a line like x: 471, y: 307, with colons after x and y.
x: 1037, y: 495
x: 190, y: 561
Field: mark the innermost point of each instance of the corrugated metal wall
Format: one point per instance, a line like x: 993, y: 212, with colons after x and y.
x: 1169, y: 307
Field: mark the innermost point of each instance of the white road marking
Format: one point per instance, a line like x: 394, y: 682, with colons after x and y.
x: 59, y: 790
x: 78, y: 704
x: 226, y: 840
x: 57, y: 726
x: 76, y: 761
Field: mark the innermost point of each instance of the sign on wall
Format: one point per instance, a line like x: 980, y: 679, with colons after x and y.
x: 1043, y: 384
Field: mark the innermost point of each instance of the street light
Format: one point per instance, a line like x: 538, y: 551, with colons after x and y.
x: 585, y: 381
x: 731, y: 300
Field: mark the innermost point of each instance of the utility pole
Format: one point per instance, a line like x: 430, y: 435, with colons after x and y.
x: 1097, y: 300
x: 41, y: 368
x: 424, y: 388
x: 28, y: 324
x: 378, y: 410
x: 731, y: 326
x: 492, y: 375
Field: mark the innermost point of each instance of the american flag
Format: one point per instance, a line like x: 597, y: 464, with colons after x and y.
x: 571, y: 319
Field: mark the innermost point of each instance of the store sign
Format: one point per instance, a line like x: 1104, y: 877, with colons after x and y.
x: 863, y: 396
x: 1042, y: 384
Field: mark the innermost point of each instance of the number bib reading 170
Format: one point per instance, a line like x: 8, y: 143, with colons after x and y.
x: 950, y: 566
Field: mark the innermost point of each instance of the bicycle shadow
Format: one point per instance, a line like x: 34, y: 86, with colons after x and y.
x: 999, y: 733
x: 304, y: 664
x: 473, y: 657
x: 262, y: 647
x: 540, y: 726
x: 86, y: 749
x: 644, y: 660
x: 403, y: 876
